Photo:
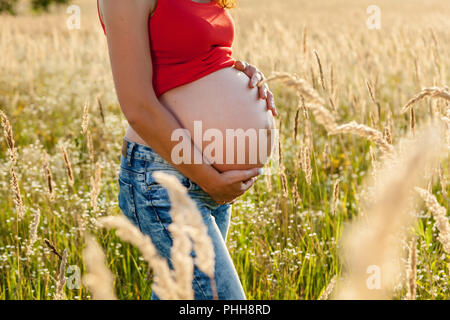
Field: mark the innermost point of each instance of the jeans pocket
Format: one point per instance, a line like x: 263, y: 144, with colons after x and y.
x: 126, y: 201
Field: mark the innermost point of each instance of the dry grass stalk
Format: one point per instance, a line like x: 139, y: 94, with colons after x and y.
x: 182, y: 261
x: 33, y: 232
x: 61, y: 281
x: 306, y: 163
x: 374, y: 100
x: 371, y: 246
x: 411, y: 272
x: 412, y: 123
x: 312, y: 99
x: 304, y: 41
x: 387, y: 135
x: 95, y: 186
x: 52, y: 248
x: 322, y: 78
x: 364, y: 131
x: 308, y: 138
x: 297, y: 113
x: 100, y: 107
x: 85, y: 123
x: 328, y: 290
x: 189, y: 220
x: 48, y: 177
x: 443, y: 181
x: 90, y: 144
x: 335, y: 195
x: 98, y: 279
x: 313, y: 78
x: 332, y: 88
x: 440, y: 216
x: 282, y: 170
x: 297, y: 166
x: 68, y: 165
x: 163, y: 282
x: 433, y: 92
x: 373, y: 121
x: 18, y: 203
x: 7, y: 129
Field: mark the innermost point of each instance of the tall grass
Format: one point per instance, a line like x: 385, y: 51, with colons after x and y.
x: 340, y: 89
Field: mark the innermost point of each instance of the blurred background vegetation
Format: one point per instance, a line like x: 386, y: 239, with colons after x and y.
x: 10, y: 6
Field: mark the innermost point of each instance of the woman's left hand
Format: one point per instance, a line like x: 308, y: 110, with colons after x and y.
x: 256, y: 76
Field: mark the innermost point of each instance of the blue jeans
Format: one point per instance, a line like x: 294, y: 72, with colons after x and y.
x: 146, y: 203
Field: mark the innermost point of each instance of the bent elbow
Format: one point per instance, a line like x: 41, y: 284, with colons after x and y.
x: 139, y: 113
x: 132, y: 118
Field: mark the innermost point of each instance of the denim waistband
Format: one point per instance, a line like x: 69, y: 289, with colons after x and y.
x: 141, y: 161
x: 142, y: 152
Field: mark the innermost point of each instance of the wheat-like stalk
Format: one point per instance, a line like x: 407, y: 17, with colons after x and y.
x: 95, y: 186
x: 7, y: 129
x: 367, y: 132
x: 163, y: 282
x: 328, y: 290
x: 33, y: 231
x: 282, y: 170
x: 85, y: 123
x: 100, y: 108
x: 433, y: 92
x: 53, y: 249
x: 68, y: 165
x: 440, y: 216
x: 387, y: 135
x: 319, y: 63
x: 306, y: 163
x: 182, y: 261
x: 98, y: 279
x: 61, y: 281
x: 90, y: 144
x: 312, y: 99
x: 18, y: 203
x: 372, y: 244
x: 374, y: 100
x: 196, y: 229
x: 411, y: 272
x: 49, y: 177
x: 335, y: 195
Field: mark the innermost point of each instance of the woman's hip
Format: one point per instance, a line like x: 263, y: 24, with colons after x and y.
x: 143, y: 199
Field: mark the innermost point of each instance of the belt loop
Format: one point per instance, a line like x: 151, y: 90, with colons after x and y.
x: 130, y: 149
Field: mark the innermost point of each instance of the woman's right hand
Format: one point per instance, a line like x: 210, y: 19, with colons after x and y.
x: 231, y: 184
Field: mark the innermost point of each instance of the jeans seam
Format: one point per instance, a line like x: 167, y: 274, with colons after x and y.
x: 132, y: 200
x: 199, y: 284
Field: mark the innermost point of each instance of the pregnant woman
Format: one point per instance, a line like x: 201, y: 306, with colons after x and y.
x: 186, y: 99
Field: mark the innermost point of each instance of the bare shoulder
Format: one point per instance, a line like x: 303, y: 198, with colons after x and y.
x: 142, y: 6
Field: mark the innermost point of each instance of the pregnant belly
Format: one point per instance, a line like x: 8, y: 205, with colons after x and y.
x: 225, y: 118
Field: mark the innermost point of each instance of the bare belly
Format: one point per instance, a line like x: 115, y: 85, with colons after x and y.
x: 224, y: 117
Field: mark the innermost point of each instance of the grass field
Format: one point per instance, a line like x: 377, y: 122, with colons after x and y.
x: 285, y: 234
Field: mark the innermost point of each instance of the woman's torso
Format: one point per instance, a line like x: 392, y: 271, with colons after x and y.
x: 220, y: 100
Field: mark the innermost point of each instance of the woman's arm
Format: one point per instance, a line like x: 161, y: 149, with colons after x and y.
x: 126, y: 24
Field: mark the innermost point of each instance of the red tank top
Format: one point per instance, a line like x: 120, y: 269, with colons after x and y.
x: 188, y: 41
